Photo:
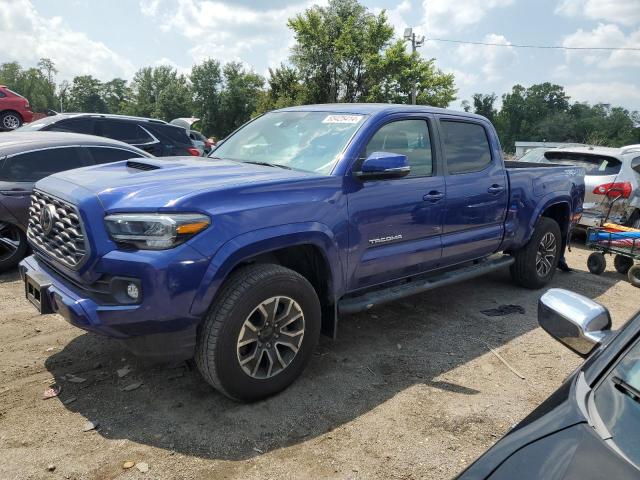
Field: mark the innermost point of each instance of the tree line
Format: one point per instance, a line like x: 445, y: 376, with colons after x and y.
x: 543, y: 112
x: 342, y: 53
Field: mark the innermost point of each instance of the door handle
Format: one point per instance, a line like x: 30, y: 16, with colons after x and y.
x: 433, y: 196
x: 495, y: 189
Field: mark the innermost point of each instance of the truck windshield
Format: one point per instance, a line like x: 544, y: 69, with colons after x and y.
x: 309, y: 141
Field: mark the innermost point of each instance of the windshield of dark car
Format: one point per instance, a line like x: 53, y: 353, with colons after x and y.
x: 593, y: 164
x: 618, y: 407
x: 309, y: 141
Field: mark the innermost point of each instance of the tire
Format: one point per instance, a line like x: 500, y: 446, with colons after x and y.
x: 234, y: 317
x: 525, y: 270
x: 13, y: 246
x: 10, y: 120
x: 622, y: 264
x: 596, y: 263
x: 634, y: 275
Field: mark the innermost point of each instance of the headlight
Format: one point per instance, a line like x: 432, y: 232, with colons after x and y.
x: 155, y: 231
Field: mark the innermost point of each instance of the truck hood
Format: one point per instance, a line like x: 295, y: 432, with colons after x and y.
x: 163, y: 183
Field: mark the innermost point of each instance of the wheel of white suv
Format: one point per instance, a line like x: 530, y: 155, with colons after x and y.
x: 10, y: 120
x: 13, y: 245
x: 260, y: 332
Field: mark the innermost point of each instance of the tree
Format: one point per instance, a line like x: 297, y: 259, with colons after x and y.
x: 285, y: 89
x: 116, y: 95
x: 85, y: 95
x: 238, y: 99
x: 484, y: 105
x: 31, y: 83
x: 148, y: 99
x: 392, y: 75
x: 345, y: 53
x: 206, y: 84
x: 333, y: 46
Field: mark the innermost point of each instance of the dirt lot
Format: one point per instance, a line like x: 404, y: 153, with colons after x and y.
x: 407, y: 391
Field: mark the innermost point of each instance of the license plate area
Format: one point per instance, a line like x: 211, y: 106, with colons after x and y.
x: 36, y: 291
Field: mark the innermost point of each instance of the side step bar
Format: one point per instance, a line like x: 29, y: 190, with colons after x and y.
x: 378, y: 297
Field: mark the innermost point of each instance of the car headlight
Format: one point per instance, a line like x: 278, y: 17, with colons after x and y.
x: 155, y: 231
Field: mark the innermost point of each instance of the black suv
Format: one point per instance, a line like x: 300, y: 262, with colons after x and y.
x: 154, y: 136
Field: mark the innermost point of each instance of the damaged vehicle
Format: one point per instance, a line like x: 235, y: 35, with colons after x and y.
x: 308, y: 213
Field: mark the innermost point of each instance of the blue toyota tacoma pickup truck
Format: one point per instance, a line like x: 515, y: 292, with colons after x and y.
x: 239, y: 261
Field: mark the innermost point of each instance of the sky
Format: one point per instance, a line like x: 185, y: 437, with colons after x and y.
x: 116, y: 37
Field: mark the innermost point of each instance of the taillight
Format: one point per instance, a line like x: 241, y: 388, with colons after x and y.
x: 193, y: 151
x: 614, y: 190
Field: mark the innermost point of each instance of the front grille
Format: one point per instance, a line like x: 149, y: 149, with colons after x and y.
x: 64, y: 240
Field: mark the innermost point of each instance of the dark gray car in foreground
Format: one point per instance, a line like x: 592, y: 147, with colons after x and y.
x: 590, y: 427
x: 25, y: 158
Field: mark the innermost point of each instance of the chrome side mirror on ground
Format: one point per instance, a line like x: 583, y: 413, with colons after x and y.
x: 574, y: 320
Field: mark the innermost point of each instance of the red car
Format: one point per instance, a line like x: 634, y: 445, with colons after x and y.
x: 14, y: 109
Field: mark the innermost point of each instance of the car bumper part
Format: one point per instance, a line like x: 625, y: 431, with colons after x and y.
x: 149, y: 328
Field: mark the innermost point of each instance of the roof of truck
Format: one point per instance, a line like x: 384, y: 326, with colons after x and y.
x: 376, y: 108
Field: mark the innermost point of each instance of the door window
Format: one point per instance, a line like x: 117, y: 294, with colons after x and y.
x: 406, y: 137
x: 466, y: 146
x: 127, y: 132
x: 32, y: 166
x: 108, y: 155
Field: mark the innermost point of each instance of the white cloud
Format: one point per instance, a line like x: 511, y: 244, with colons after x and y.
x: 74, y: 53
x: 396, y: 16
x: 624, y: 12
x: 604, y: 35
x: 227, y: 32
x: 615, y: 93
x: 443, y: 16
x: 493, y: 61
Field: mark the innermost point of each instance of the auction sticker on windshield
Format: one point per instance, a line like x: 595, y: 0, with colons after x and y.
x: 342, y: 119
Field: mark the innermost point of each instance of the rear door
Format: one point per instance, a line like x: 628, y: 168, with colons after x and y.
x: 477, y: 190
x: 84, y: 125
x: 395, y: 223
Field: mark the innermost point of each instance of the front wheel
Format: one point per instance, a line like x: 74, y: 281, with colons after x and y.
x: 13, y: 246
x: 535, y: 263
x: 260, y: 332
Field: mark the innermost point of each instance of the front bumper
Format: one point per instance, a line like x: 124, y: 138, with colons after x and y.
x: 160, y: 326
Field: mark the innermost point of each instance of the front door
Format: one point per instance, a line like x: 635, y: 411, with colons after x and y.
x: 477, y: 191
x: 395, y: 224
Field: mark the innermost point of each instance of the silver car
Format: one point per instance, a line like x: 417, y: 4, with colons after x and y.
x: 612, y: 182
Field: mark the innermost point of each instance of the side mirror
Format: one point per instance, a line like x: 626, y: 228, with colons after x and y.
x: 574, y: 320
x: 381, y: 165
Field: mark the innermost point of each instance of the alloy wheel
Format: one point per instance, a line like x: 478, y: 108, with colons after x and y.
x: 10, y: 121
x: 546, y: 254
x: 270, y: 337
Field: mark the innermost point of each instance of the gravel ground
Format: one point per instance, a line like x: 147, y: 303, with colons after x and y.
x: 407, y: 391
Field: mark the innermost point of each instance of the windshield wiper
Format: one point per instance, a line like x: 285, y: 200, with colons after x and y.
x: 626, y: 388
x: 267, y: 164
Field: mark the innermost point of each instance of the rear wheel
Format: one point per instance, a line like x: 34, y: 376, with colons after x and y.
x: 622, y: 264
x: 260, y: 332
x: 535, y: 263
x: 13, y: 245
x: 596, y: 263
x: 10, y: 120
x: 634, y: 275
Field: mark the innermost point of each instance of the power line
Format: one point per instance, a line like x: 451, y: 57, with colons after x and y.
x: 547, y: 47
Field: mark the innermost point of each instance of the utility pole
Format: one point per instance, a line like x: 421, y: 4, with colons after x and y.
x: 409, y: 34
